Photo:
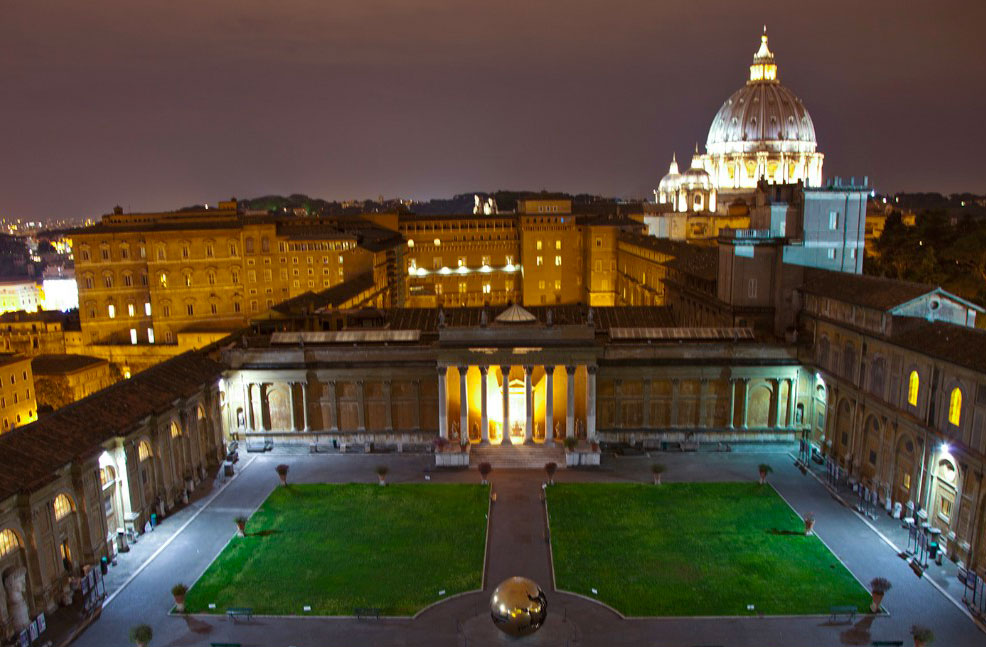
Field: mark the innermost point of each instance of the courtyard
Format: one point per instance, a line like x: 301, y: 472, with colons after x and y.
x: 693, y: 549
x: 328, y: 549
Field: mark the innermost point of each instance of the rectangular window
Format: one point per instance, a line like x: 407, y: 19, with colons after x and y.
x: 214, y: 308
x: 191, y: 309
x: 236, y: 306
x: 461, y: 261
x: 184, y: 251
x: 751, y: 289
x: 557, y: 244
x: 133, y: 335
x: 486, y: 288
x: 167, y: 311
x: 833, y: 220
x: 233, y: 250
x: 509, y: 260
x: 557, y: 261
x: 557, y: 285
x: 462, y: 287
x: 209, y: 251
x: 111, y: 310
x: 106, y: 254
x: 831, y: 253
x: 539, y: 262
x: 539, y: 245
x: 540, y: 285
x: 150, y: 335
x: 130, y: 309
x: 946, y: 508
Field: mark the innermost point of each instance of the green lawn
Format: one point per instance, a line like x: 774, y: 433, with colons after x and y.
x: 693, y: 549
x: 339, y: 547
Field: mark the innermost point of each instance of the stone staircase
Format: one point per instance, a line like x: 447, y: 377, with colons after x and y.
x: 517, y: 457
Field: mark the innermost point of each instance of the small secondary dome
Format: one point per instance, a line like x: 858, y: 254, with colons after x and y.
x: 515, y: 314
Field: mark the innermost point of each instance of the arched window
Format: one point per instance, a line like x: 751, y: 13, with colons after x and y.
x: 164, y: 280
x: 106, y: 476
x: 955, y: 406
x: 200, y: 413
x: 8, y: 542
x: 63, y: 507
x: 175, y: 430
x: 913, y: 382
x: 143, y: 451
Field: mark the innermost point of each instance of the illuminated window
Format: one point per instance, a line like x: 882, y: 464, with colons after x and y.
x: 143, y: 451
x: 557, y: 285
x: 462, y: 287
x: 486, y: 288
x: 437, y: 242
x: 150, y: 335
x: 175, y: 430
x: 462, y: 261
x: 540, y: 261
x: 161, y: 255
x: 130, y: 309
x: 955, y: 406
x: 907, y: 481
x: 557, y: 260
x: 539, y: 244
x: 8, y: 542
x: 946, y: 508
x: 133, y: 335
x: 163, y: 280
x: 63, y: 507
x: 147, y: 308
x: 188, y: 279
x: 913, y: 383
x: 509, y: 260
x: 485, y: 260
x: 540, y: 285
x: 557, y: 244
x: 111, y: 310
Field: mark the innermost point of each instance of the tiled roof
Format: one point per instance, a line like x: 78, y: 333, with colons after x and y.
x: 330, y: 298
x: 31, y: 455
x: 859, y: 289
x: 960, y: 345
x: 59, y: 364
x: 698, y: 260
x: 11, y: 358
x: 426, y: 319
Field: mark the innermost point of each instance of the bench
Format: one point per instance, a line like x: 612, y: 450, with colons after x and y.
x: 848, y: 611
x: 239, y: 612
x: 367, y: 612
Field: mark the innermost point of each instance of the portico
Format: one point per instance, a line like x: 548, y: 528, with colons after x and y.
x: 542, y: 400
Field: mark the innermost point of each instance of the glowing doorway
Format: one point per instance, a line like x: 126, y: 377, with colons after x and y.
x: 518, y: 411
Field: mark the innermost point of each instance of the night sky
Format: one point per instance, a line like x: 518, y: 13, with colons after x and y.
x: 162, y: 103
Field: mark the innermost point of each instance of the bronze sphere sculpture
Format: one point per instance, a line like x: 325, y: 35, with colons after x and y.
x: 518, y: 606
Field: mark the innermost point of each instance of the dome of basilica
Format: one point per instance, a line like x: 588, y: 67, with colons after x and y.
x: 763, y: 115
x: 669, y: 183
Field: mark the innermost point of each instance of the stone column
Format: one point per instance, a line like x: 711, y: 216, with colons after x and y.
x: 732, y: 403
x: 791, y: 401
x: 570, y: 406
x: 549, y: 405
x: 360, y: 405
x: 484, y: 419
x: 646, y: 404
x: 746, y: 402
x: 389, y: 399
x: 590, y: 403
x: 675, y: 390
x: 334, y: 397
x: 442, y: 403
x: 778, y: 403
x: 304, y: 405
x: 417, y: 404
x: 291, y: 404
x: 463, y: 406
x: 529, y: 404
x: 505, y: 370
x: 246, y: 405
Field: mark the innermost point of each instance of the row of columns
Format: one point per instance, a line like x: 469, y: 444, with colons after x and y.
x: 253, y: 411
x: 528, y: 401
x: 781, y: 407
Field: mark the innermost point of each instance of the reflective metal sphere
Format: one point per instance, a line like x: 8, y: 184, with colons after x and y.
x: 518, y: 606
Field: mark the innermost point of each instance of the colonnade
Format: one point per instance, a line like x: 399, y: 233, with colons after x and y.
x: 256, y: 394
x: 524, y: 434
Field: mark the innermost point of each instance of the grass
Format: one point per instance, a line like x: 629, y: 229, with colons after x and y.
x: 340, y: 547
x: 693, y: 549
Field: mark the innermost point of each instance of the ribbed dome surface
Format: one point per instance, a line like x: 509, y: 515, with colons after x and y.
x: 762, y: 116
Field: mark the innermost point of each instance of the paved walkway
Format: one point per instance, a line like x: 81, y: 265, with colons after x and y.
x: 517, y: 547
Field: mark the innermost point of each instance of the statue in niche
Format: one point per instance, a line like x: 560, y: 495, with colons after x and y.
x: 441, y: 317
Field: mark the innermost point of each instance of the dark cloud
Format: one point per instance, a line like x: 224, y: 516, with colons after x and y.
x: 163, y: 103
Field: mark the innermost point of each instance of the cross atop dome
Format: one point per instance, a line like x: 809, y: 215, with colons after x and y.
x: 763, y: 68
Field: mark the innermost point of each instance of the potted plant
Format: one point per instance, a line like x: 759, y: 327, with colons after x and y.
x: 484, y: 470
x: 764, y: 470
x: 550, y: 469
x: 594, y: 446
x: 282, y: 472
x: 878, y: 587
x: 571, y: 443
x: 809, y: 523
x: 656, y: 470
x: 179, y: 591
x: 382, y: 474
x: 922, y: 635
x: 440, y: 444
x: 240, y: 525
x: 141, y: 635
